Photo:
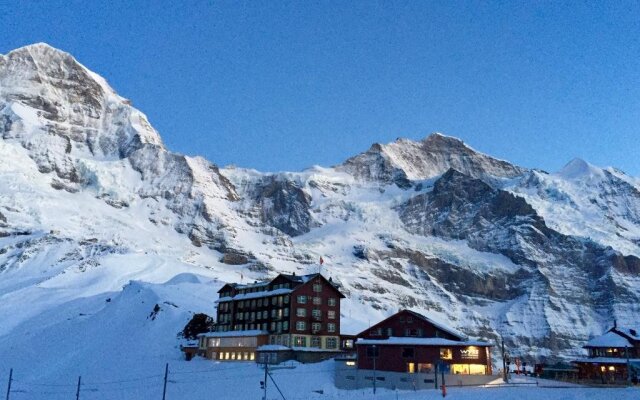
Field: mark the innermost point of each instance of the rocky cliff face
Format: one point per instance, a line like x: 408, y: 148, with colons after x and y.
x: 92, y: 199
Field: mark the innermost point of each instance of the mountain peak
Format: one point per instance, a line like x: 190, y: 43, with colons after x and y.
x: 45, y: 91
x: 405, y: 159
x: 579, y: 169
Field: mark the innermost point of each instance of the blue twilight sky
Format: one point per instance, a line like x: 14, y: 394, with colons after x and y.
x: 278, y: 85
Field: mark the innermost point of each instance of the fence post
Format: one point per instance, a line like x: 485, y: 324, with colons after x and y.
x: 9, y: 385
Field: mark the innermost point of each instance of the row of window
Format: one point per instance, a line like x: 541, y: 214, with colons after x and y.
x: 409, y: 352
x: 316, y: 341
x: 331, y: 301
x: 234, y: 355
x: 315, y: 326
x: 252, y: 316
x: 315, y: 313
x: 255, y: 303
x: 408, y: 332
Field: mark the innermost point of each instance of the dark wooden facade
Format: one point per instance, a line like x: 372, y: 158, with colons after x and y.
x: 410, y: 342
x: 296, y: 311
x: 609, y: 356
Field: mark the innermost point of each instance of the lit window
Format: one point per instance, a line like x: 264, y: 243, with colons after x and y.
x: 300, y: 341
x: 446, y: 354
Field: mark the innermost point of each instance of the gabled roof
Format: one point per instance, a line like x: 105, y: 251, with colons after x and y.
x: 633, y: 334
x: 438, y: 325
x: 414, y: 341
x: 442, y: 327
x: 300, y: 279
x: 609, y: 339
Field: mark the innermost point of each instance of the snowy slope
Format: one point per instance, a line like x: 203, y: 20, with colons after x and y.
x: 99, y: 222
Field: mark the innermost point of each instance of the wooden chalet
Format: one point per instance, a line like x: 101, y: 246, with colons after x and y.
x: 412, y: 343
x: 611, y: 356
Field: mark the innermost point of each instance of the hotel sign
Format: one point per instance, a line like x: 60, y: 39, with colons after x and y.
x: 470, y: 353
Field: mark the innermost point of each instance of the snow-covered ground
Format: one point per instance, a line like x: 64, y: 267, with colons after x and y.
x: 202, y: 379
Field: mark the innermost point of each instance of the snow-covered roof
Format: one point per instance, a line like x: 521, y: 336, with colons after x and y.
x: 632, y: 333
x: 254, y: 332
x: 416, y: 341
x: 440, y: 325
x: 277, y: 347
x: 273, y: 347
x: 606, y: 360
x: 609, y: 339
x: 254, y: 295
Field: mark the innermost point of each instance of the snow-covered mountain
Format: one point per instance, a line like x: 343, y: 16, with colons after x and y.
x: 99, y: 222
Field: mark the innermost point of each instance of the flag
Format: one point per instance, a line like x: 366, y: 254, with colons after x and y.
x: 321, y: 260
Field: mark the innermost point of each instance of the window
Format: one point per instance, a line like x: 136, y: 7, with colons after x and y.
x: 331, y: 327
x: 317, y: 287
x: 273, y: 326
x: 264, y: 326
x: 253, y: 303
x: 425, y: 367
x: 301, y: 312
x: 316, y: 313
x: 285, y: 326
x: 402, y: 320
x: 302, y: 299
x: 407, y: 352
x: 332, y: 343
x: 286, y: 299
x: 315, y: 327
x: 446, y: 354
x: 279, y: 301
x: 273, y: 312
x: 332, y: 301
x: 274, y: 300
x: 331, y: 314
x: 265, y: 314
x: 389, y: 331
x: 317, y: 300
x: 279, y: 327
x: 409, y: 320
x: 300, y: 341
x: 376, y: 332
x: 286, y: 312
x: 301, y: 326
x: 315, y: 342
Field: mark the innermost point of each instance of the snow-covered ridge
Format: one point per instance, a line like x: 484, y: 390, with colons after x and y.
x: 91, y: 200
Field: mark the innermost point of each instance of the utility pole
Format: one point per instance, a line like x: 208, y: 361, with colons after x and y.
x: 505, y: 375
x: 374, y: 368
x: 166, y: 376
x: 78, y: 389
x: 626, y: 350
x: 9, y: 385
x: 266, y: 372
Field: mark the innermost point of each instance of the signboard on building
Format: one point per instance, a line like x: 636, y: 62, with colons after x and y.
x: 470, y: 353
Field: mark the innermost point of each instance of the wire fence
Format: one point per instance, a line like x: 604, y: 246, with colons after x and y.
x: 19, y: 389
